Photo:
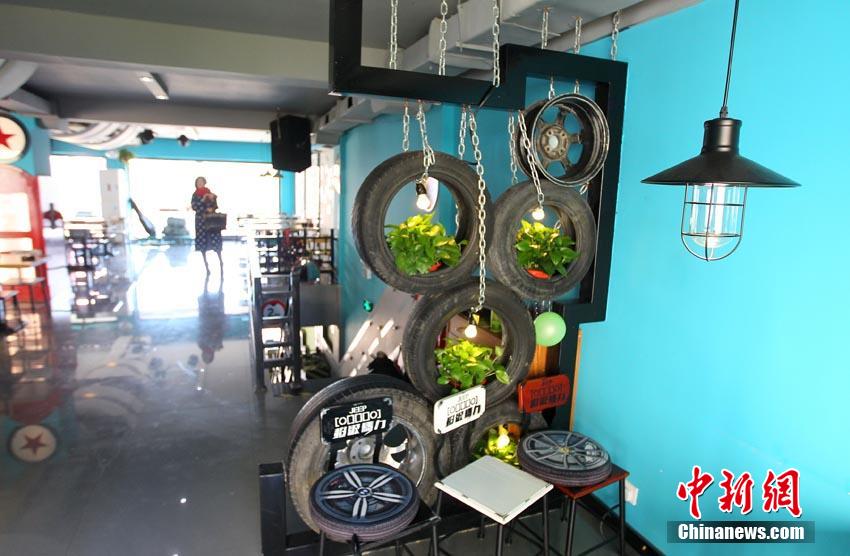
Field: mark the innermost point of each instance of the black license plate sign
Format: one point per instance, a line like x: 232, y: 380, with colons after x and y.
x: 353, y: 419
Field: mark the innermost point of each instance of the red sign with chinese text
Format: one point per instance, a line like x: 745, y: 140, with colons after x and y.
x: 538, y: 394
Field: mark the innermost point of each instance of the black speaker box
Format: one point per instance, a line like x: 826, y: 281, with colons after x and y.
x: 291, y: 143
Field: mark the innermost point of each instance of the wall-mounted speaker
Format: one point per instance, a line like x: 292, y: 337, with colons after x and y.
x: 291, y: 143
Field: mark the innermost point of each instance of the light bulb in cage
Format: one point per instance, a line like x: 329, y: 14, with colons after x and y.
x: 538, y: 213
x: 713, y: 219
x: 422, y: 200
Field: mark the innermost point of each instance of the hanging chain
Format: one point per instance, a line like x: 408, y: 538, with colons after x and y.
x: 529, y: 157
x: 405, y: 128
x: 615, y: 33
x: 444, y: 11
x: 482, y: 214
x: 393, y: 34
x: 577, y: 46
x: 427, y: 151
x: 497, y: 78
x: 461, y: 144
x: 512, y: 146
x: 544, y: 42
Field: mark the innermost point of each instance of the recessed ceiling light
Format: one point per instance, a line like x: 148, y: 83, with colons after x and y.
x: 154, y: 84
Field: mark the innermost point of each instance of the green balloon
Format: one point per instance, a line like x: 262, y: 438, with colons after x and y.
x: 549, y: 328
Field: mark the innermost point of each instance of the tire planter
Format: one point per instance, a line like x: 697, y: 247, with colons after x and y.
x: 410, y: 444
x: 577, y: 218
x: 374, y: 198
x: 564, y: 458
x: 371, y: 501
x: 506, y: 412
x: 551, y: 141
x: 431, y: 314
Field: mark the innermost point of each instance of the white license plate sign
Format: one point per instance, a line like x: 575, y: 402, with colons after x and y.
x: 351, y: 420
x: 459, y: 409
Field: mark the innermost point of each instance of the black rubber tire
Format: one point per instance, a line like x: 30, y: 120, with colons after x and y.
x: 431, y: 313
x: 374, y: 198
x: 505, y: 412
x: 559, y: 476
x: 308, y: 456
x: 575, y: 214
x: 391, y: 519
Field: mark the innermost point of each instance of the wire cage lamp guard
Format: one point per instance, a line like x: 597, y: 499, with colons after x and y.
x: 713, y: 219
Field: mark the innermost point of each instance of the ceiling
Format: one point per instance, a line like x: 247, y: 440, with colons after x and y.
x: 301, y: 19
x: 224, y: 64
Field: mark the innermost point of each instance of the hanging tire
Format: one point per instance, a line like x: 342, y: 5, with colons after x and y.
x: 431, y: 314
x: 577, y: 221
x: 374, y: 502
x: 409, y: 445
x: 564, y: 458
x: 506, y: 412
x: 373, y: 200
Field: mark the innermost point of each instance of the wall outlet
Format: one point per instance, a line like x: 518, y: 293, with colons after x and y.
x: 631, y: 493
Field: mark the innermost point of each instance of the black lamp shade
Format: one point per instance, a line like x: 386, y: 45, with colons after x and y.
x: 720, y: 163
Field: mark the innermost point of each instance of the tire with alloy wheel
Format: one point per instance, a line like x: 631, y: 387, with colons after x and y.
x: 505, y: 413
x: 564, y: 458
x: 553, y: 143
x: 374, y: 198
x: 577, y: 221
x: 371, y: 501
x: 433, y: 312
x: 409, y: 445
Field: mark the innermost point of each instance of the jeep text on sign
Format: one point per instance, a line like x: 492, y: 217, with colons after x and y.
x: 360, y: 418
x: 459, y: 409
x: 538, y: 394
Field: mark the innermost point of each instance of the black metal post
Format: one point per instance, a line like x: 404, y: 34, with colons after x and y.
x: 272, y: 509
x: 500, y: 540
x: 546, y: 524
x: 568, y: 549
x: 622, y: 531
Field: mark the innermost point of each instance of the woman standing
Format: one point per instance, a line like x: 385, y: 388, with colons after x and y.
x: 207, y: 238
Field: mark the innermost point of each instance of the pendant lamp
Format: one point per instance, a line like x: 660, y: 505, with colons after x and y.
x: 716, y: 183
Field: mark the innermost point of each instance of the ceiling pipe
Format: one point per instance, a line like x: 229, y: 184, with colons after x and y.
x: 96, y: 133
x: 13, y: 75
x: 125, y: 137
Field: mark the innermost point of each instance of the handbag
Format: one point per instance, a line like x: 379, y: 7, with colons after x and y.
x: 216, y: 221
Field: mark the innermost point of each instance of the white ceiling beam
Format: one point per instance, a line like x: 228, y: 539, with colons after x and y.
x: 34, y: 34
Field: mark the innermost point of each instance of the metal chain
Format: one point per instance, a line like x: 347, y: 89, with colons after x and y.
x: 461, y: 144
x: 444, y: 10
x: 405, y: 128
x: 544, y: 42
x: 427, y: 151
x: 512, y: 146
x: 529, y: 157
x: 482, y: 214
x: 577, y: 47
x: 393, y: 34
x: 615, y: 33
x: 497, y: 78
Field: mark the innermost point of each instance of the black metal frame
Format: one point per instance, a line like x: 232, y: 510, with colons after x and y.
x: 517, y: 64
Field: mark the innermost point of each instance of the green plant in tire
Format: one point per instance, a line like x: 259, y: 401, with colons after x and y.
x: 498, y: 443
x: 543, y: 251
x: 420, y: 246
x: 462, y: 365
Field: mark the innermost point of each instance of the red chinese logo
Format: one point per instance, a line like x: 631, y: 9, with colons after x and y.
x: 778, y: 491
x: 782, y: 491
x: 736, y: 492
x: 695, y: 488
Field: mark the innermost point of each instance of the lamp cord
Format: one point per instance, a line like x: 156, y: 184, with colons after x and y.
x: 724, y: 110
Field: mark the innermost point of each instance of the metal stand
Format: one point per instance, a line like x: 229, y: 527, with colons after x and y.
x: 283, y: 354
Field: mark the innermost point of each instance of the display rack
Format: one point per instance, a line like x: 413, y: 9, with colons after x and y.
x: 276, y: 331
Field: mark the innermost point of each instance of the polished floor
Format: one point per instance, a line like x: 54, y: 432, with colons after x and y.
x: 129, y: 418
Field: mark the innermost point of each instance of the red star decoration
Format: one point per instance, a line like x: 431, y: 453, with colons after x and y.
x: 4, y: 138
x: 33, y: 443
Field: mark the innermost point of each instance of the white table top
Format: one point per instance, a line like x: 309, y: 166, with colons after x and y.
x: 496, y: 489
x: 23, y: 264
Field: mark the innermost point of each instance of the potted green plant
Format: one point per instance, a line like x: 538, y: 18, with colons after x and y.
x: 498, y: 443
x: 420, y: 246
x: 462, y: 364
x: 543, y: 251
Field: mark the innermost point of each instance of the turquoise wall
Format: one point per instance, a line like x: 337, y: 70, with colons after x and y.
x: 738, y: 364
x: 220, y: 151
